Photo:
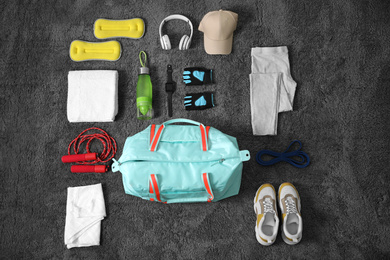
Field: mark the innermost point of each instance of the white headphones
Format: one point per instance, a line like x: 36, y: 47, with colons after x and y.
x: 185, y: 40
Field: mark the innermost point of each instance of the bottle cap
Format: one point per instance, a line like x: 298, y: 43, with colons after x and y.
x: 143, y: 70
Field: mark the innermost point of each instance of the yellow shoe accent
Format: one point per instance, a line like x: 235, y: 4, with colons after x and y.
x: 263, y: 239
x: 82, y: 51
x: 132, y: 28
x: 259, y: 217
x: 262, y: 187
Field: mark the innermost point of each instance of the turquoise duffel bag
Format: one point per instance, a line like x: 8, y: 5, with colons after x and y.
x: 181, y: 163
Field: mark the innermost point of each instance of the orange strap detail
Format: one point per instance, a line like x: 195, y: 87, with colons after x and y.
x: 204, y: 140
x: 155, y: 186
x: 207, y: 131
x: 156, y: 137
x: 152, y: 128
x: 206, y: 184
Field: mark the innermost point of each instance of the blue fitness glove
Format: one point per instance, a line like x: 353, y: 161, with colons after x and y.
x: 197, y: 76
x: 198, y: 101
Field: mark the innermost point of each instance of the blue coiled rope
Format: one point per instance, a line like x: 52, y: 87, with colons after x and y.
x: 285, y: 156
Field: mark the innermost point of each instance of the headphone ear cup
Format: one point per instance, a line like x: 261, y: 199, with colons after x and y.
x: 162, y: 43
x: 183, y: 45
x: 165, y: 42
x: 188, y: 43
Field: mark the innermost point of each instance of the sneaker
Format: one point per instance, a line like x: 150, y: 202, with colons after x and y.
x: 290, y: 206
x: 267, y: 223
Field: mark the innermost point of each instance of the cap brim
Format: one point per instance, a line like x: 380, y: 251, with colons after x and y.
x: 223, y: 47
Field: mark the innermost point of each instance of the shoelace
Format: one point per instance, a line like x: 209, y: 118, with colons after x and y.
x: 290, y: 205
x: 268, y: 206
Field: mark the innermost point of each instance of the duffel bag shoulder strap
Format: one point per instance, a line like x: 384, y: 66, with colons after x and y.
x: 155, y: 136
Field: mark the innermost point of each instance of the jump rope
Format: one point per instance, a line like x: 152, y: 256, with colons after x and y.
x: 86, y: 159
x: 286, y: 156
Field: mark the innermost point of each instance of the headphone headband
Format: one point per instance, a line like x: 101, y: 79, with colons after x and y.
x: 176, y: 17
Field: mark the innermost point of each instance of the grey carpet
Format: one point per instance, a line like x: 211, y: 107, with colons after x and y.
x: 339, y: 53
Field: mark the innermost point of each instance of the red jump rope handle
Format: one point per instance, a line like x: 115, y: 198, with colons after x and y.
x: 89, y: 168
x: 79, y: 157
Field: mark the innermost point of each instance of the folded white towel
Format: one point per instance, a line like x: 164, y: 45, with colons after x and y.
x: 92, y: 95
x: 85, y: 209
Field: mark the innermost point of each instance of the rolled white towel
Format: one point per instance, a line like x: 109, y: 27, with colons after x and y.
x: 85, y: 209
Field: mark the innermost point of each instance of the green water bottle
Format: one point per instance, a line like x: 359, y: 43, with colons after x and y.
x: 144, y: 91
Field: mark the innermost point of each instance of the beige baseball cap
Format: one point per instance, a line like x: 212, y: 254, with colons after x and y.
x: 218, y: 28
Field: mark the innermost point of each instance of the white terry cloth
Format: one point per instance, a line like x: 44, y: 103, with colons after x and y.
x: 272, y: 88
x: 85, y: 209
x: 92, y: 95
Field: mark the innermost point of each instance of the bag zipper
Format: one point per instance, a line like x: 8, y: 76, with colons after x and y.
x: 215, y: 160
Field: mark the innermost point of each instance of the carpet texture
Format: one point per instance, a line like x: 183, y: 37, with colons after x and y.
x: 340, y: 57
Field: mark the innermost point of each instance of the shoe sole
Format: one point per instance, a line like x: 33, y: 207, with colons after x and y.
x: 261, y: 241
x: 288, y: 241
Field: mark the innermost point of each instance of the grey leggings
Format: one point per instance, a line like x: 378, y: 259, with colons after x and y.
x: 272, y: 88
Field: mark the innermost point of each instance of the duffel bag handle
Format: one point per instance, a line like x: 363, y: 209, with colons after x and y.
x: 181, y: 120
x: 155, y: 195
x: 156, y: 136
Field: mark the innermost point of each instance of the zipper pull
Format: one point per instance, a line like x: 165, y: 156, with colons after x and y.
x: 115, y: 166
x: 220, y: 161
